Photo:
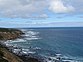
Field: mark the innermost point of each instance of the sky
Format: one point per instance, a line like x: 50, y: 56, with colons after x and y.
x: 41, y: 13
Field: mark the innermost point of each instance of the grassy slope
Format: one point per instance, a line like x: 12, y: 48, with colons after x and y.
x: 9, y: 34
x: 7, y: 30
x: 5, y: 55
x: 2, y: 55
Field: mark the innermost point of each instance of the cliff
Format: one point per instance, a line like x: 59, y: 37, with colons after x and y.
x: 6, y: 56
x: 9, y: 34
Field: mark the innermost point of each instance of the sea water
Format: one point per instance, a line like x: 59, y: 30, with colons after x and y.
x: 52, y: 42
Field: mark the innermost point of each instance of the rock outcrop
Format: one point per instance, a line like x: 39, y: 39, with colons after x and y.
x: 5, y: 54
x: 9, y: 34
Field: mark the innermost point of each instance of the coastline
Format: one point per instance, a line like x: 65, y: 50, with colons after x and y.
x: 5, y: 54
x: 29, y: 53
x: 8, y: 55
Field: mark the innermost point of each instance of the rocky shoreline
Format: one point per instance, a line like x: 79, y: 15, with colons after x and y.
x: 14, y: 53
x: 9, y: 34
x: 8, y: 56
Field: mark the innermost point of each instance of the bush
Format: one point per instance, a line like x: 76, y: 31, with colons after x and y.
x: 1, y: 37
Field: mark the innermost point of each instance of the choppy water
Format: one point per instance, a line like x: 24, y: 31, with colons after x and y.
x: 52, y: 42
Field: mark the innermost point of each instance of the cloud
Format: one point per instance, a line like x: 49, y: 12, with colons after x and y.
x: 77, y: 4
x: 14, y: 24
x: 58, y: 6
x: 38, y: 8
x: 21, y: 8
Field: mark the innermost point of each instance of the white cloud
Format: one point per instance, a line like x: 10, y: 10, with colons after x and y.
x: 58, y: 6
x: 37, y: 8
x: 21, y: 8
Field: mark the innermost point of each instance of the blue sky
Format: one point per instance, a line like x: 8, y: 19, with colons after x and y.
x: 41, y: 13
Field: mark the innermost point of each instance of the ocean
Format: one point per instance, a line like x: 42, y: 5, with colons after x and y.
x: 66, y: 43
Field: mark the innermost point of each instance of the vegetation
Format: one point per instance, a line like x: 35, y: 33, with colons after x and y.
x: 9, y: 34
x: 5, y: 55
x: 7, y: 30
x: 2, y: 55
x: 1, y: 37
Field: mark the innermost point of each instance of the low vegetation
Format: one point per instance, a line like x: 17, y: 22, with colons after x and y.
x: 9, y: 34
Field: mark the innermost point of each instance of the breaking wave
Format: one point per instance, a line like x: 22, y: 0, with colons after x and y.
x: 21, y: 46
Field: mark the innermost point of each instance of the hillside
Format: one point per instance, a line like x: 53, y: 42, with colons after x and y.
x: 9, y: 34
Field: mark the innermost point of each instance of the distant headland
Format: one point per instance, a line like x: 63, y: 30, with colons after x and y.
x: 9, y: 34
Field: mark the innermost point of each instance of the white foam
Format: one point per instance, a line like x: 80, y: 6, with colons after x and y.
x: 25, y: 49
x: 68, y: 61
x: 24, y: 52
x: 32, y: 38
x: 18, y: 40
x: 8, y: 45
x: 74, y: 58
x: 30, y: 52
x: 58, y: 54
x: 32, y: 33
x: 60, y: 58
x: 37, y: 48
x: 26, y: 35
x: 16, y: 51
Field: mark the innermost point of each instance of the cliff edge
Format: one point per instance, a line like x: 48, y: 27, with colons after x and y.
x: 8, y: 34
